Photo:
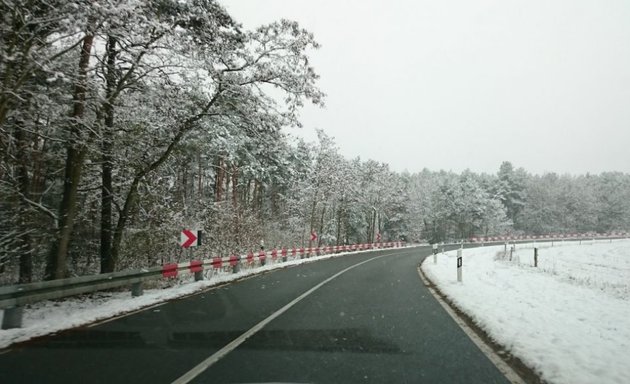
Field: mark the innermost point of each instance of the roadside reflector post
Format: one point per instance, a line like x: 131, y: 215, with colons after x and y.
x: 12, y: 317
x: 459, y: 265
x: 136, y: 289
x: 535, y: 257
x: 435, y: 251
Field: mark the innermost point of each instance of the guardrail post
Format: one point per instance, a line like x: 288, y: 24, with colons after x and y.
x: 237, y: 266
x: 199, y: 275
x: 535, y: 257
x: 136, y: 289
x: 12, y: 317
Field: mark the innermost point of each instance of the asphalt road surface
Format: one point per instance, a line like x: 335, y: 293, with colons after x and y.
x: 373, y: 321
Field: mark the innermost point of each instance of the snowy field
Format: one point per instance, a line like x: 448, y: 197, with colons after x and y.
x: 569, y: 318
x: 48, y: 317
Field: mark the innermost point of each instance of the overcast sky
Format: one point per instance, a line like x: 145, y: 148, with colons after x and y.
x: 453, y: 85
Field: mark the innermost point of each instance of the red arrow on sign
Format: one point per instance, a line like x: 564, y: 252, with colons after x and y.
x: 378, y: 237
x: 189, y: 238
x: 313, y: 236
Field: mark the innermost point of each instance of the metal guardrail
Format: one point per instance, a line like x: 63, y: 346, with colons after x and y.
x: 13, y: 298
x: 19, y: 295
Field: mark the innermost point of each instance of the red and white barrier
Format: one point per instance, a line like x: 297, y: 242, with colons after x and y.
x: 216, y: 263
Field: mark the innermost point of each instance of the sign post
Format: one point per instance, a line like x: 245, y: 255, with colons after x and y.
x: 188, y: 239
x: 310, y: 243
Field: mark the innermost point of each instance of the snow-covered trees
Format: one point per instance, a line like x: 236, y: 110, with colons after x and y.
x: 454, y: 206
x: 567, y: 203
x: 112, y: 90
x: 123, y: 122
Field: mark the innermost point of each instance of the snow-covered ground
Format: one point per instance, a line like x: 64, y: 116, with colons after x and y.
x: 569, y: 318
x: 52, y: 316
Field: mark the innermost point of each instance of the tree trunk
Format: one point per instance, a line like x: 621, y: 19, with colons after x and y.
x: 227, y: 178
x: 246, y: 194
x: 107, y: 147
x: 371, y: 240
x: 218, y: 184
x: 310, y: 242
x: 258, y: 195
x: 130, y: 199
x: 237, y: 212
x: 75, y: 156
x: 200, y: 178
x: 24, y: 239
x: 56, y: 266
x: 339, y: 221
x: 235, y: 188
x: 321, y: 226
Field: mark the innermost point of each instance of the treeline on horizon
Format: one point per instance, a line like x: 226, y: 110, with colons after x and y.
x: 123, y: 123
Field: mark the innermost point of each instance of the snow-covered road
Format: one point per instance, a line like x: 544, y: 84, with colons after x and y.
x: 569, y: 318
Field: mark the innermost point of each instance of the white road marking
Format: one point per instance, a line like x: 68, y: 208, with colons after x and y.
x: 498, y: 362
x: 207, y: 363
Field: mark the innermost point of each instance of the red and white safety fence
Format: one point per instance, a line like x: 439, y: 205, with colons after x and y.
x: 553, y: 236
x: 254, y: 259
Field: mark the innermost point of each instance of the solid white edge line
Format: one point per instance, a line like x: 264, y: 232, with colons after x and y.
x: 208, y: 362
x: 498, y: 362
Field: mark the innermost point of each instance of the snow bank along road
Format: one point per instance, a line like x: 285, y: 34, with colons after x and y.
x: 568, y: 318
x: 373, y: 321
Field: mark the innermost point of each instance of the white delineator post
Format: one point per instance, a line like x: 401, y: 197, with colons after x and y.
x: 459, y: 265
x: 435, y: 250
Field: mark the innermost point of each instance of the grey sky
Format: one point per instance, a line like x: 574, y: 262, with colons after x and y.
x: 467, y: 84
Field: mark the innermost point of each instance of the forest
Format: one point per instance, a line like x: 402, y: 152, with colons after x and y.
x: 123, y: 122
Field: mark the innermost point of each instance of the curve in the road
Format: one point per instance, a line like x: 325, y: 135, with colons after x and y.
x: 353, y: 319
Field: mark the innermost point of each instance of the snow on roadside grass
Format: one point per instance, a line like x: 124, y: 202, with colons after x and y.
x: 47, y: 317
x: 569, y: 319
